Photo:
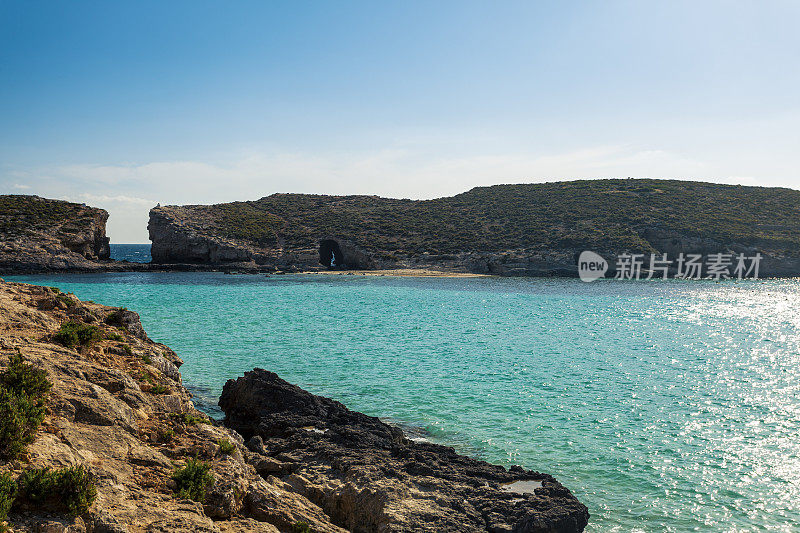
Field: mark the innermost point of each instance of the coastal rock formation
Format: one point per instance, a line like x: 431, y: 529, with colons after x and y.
x: 42, y: 235
x: 54, y: 235
x: 368, y: 477
x: 117, y: 407
x: 176, y: 240
x: 508, y: 230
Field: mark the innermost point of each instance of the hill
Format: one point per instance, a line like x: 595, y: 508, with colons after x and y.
x: 545, y: 223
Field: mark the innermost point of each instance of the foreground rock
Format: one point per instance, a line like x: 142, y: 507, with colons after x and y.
x: 367, y: 477
x: 118, y: 408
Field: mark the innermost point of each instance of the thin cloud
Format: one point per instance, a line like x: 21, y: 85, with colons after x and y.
x: 129, y: 190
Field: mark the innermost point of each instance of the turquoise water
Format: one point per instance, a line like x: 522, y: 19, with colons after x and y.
x: 665, y: 406
x: 135, y: 253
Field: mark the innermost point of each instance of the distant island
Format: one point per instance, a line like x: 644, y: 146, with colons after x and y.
x: 531, y: 229
x: 511, y: 230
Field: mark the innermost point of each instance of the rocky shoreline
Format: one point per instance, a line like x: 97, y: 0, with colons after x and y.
x: 283, y: 460
x: 367, y: 476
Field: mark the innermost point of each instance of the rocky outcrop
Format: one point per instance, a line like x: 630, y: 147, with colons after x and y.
x: 178, y: 239
x: 40, y: 234
x: 118, y: 408
x: 368, y: 477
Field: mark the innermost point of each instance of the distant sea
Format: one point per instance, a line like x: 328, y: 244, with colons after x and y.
x: 135, y: 253
x: 664, y: 405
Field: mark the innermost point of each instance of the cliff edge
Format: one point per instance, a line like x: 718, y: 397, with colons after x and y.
x: 40, y: 234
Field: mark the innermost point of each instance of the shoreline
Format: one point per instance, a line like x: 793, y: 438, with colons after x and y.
x: 398, y: 272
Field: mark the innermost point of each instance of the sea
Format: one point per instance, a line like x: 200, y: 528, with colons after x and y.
x: 135, y: 253
x: 663, y: 405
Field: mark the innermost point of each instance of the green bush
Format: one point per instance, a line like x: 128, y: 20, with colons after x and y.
x: 226, y: 447
x: 114, y: 336
x: 23, y: 378
x: 37, y: 485
x: 158, y: 389
x: 301, y: 527
x: 8, y: 491
x: 69, y: 490
x: 188, y: 418
x: 68, y: 300
x: 193, y: 480
x: 166, y: 435
x: 114, y: 318
x: 23, y: 395
x: 74, y: 334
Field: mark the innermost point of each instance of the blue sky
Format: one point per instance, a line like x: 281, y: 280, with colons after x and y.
x: 126, y: 104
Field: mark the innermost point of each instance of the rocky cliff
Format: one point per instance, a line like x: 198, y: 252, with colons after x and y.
x: 118, y: 415
x: 534, y: 229
x: 41, y: 234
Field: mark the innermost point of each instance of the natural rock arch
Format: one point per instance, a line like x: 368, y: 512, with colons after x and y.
x: 330, y: 254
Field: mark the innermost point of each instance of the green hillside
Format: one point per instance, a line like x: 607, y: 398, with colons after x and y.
x: 595, y: 214
x: 22, y: 214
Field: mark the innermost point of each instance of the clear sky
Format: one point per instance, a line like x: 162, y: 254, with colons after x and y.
x: 124, y: 104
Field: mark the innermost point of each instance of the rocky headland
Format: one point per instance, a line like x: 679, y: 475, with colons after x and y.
x: 118, y: 446
x: 40, y: 235
x: 367, y: 476
x: 37, y: 234
x: 508, y: 230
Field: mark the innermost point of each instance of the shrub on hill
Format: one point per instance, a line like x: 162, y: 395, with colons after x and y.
x: 8, y: 491
x: 193, y: 480
x: 23, y: 395
x: 71, y: 490
x: 74, y: 334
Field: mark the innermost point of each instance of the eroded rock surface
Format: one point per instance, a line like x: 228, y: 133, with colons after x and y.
x: 40, y: 234
x: 118, y: 408
x: 368, y: 477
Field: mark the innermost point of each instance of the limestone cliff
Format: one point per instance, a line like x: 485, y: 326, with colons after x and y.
x: 533, y: 229
x: 40, y: 234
